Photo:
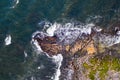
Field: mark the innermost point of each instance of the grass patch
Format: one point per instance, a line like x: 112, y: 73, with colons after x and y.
x: 101, y: 65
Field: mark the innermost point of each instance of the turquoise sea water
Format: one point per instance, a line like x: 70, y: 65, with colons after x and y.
x: 22, y: 20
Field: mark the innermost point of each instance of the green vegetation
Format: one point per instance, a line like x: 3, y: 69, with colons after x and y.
x: 101, y: 66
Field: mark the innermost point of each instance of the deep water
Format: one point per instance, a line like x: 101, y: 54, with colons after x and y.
x: 22, y: 20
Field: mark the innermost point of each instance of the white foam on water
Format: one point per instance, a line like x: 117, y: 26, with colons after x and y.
x: 118, y: 32
x: 94, y: 18
x: 8, y: 40
x: 66, y: 33
x: 35, y: 33
x: 69, y: 32
x: 109, y: 40
x: 97, y: 29
x: 37, y: 46
x: 57, y: 59
x: 39, y: 67
x: 50, y: 31
x: 25, y: 54
x: 15, y: 2
x: 32, y: 78
x: 41, y: 34
x: 70, y: 26
x: 87, y: 29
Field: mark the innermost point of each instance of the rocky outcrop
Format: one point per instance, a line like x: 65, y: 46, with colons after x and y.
x: 51, y: 46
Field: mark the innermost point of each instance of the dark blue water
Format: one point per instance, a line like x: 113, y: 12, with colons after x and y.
x: 22, y: 20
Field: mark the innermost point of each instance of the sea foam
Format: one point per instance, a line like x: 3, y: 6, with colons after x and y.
x: 57, y: 59
x: 15, y: 2
x: 8, y: 40
x: 50, y: 31
x: 67, y: 33
x: 25, y: 54
x: 109, y: 40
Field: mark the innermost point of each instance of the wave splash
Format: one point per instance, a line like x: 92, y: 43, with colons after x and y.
x: 67, y: 33
x: 8, y: 40
x: 15, y: 3
x: 57, y: 59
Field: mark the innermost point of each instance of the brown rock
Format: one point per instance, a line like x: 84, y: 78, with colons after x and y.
x: 50, y: 46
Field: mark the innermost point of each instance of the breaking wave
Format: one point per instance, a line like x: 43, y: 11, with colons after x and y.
x: 14, y: 3
x: 66, y: 33
x: 36, y: 46
x: 8, y: 40
x: 57, y: 59
x: 69, y: 32
x: 109, y: 40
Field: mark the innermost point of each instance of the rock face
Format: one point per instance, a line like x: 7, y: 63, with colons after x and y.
x: 51, y: 46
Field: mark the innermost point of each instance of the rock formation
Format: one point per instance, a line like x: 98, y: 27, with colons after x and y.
x: 86, y: 44
x: 51, y: 46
